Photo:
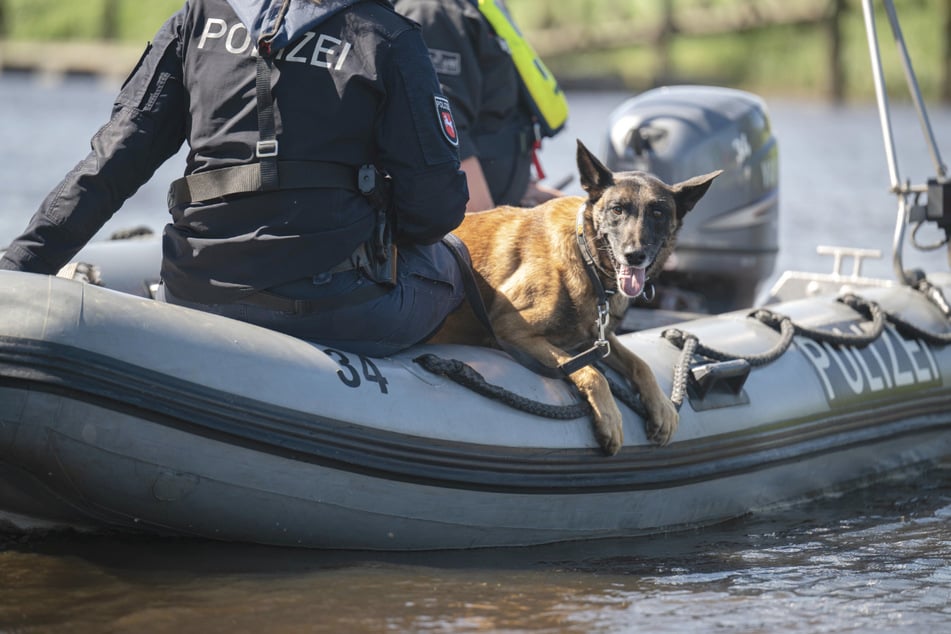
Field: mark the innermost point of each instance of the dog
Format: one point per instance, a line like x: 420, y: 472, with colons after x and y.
x: 530, y: 270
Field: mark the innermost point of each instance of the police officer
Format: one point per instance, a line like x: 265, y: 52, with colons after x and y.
x: 323, y: 171
x: 497, y: 134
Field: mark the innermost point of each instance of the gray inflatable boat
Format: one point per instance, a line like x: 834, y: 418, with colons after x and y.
x: 120, y: 412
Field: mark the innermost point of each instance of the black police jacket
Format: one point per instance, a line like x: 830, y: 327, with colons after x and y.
x: 479, y: 77
x: 353, y: 89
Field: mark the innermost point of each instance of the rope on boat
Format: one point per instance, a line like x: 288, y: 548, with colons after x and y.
x: 871, y: 311
x: 690, y: 345
x: 787, y: 329
x: 466, y: 376
x: 910, y: 330
x: 691, y: 348
x: 933, y: 292
x: 679, y: 389
x: 626, y: 395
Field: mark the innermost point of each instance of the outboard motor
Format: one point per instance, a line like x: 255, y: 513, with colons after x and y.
x: 728, y: 244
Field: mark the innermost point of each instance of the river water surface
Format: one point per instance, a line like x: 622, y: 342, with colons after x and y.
x: 871, y: 560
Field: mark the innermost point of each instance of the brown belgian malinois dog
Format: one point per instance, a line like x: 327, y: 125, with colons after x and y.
x: 530, y: 266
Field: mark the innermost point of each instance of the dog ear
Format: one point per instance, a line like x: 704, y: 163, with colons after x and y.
x: 595, y: 177
x: 690, y: 191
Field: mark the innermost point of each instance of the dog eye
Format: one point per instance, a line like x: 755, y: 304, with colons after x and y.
x: 656, y: 212
x: 617, y: 210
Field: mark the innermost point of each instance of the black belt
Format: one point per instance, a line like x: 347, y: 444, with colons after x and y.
x: 246, y: 178
x: 300, y: 307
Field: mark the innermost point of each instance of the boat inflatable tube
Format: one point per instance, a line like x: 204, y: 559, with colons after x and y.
x: 120, y: 412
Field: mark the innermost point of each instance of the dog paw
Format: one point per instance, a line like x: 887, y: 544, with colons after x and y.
x: 662, y: 422
x: 609, y: 432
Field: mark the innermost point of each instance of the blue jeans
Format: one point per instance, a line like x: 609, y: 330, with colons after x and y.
x: 429, y: 287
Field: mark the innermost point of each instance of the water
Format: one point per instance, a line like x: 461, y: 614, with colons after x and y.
x: 833, y: 174
x: 872, y: 560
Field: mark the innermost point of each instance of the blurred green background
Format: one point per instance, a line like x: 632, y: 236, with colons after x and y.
x: 811, y: 48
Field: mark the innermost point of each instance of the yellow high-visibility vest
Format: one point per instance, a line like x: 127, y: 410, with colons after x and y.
x: 542, y: 90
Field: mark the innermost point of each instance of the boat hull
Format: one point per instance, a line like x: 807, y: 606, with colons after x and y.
x: 118, y: 412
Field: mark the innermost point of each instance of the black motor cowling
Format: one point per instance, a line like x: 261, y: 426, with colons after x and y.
x: 728, y: 245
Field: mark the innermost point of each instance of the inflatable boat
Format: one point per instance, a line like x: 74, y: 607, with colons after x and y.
x: 118, y: 412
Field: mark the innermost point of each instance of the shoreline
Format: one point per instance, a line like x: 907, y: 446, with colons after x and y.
x: 113, y: 61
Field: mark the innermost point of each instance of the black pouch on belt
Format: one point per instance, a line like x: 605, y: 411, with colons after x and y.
x: 381, y: 263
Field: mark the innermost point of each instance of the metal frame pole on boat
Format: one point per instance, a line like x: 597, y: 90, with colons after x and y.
x: 905, y: 211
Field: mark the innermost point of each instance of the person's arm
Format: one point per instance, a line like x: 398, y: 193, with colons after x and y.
x: 147, y: 127
x: 452, y: 33
x: 480, y: 198
x: 416, y: 147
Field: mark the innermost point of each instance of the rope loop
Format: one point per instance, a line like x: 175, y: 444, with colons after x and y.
x: 679, y: 390
x: 675, y: 336
x: 769, y: 318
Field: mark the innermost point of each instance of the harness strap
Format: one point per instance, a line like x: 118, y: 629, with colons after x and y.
x: 267, y: 174
x: 240, y: 179
x: 266, y: 149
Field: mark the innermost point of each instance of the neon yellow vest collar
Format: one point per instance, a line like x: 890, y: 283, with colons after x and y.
x: 545, y: 97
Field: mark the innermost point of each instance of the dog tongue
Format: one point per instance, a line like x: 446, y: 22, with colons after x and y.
x: 630, y: 280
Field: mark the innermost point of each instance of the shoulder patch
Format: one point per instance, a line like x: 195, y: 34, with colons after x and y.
x: 446, y: 123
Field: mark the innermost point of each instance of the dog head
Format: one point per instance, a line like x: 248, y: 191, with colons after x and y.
x: 635, y: 216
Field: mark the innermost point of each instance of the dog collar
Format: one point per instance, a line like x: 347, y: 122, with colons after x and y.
x: 589, y: 267
x: 590, y: 264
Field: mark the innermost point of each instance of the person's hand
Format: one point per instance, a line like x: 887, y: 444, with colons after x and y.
x: 537, y: 193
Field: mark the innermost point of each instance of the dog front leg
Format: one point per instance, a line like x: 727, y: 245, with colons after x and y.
x: 606, y: 417
x: 662, y: 415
